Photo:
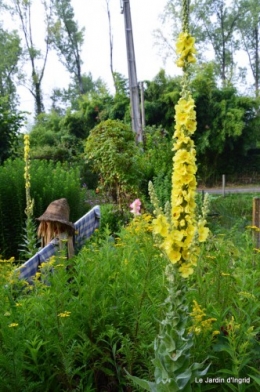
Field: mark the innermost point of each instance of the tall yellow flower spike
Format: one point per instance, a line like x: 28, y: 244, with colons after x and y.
x: 27, y: 177
x: 182, y: 233
x: 185, y: 49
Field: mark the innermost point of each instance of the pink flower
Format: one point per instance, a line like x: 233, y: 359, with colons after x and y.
x: 135, y: 207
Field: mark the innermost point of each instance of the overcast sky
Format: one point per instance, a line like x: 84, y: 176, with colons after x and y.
x: 92, y: 14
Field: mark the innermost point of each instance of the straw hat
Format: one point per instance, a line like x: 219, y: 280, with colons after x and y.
x: 57, y: 211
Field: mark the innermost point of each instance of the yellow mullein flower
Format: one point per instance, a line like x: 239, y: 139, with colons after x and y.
x: 191, y: 125
x: 203, y: 233
x: 186, y: 270
x: 182, y: 248
x: 174, y: 255
x: 185, y: 49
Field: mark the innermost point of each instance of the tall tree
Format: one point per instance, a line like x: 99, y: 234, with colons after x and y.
x: 111, y: 44
x: 219, y: 23
x: 67, y: 39
x: 36, y: 57
x: 69, y: 98
x: 249, y: 27
x: 10, y: 50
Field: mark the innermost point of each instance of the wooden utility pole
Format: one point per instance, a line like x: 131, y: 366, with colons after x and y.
x: 142, y: 105
x: 133, y: 85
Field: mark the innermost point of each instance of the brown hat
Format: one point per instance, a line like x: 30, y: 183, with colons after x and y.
x: 57, y: 211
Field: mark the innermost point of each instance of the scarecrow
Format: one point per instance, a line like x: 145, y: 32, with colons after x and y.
x: 56, y: 231
x: 54, y: 223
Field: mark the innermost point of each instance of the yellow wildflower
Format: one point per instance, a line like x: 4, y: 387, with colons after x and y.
x: 12, y: 325
x: 161, y: 225
x: 64, y: 314
x: 200, y: 323
x: 224, y: 274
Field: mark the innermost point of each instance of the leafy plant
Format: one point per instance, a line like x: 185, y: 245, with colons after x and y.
x: 111, y: 149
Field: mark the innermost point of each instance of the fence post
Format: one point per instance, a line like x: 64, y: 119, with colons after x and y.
x: 223, y: 184
x: 256, y: 221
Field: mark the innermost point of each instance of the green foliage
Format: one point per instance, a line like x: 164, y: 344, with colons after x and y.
x: 228, y: 294
x: 10, y: 124
x: 49, y: 181
x: 70, y: 98
x: 30, y: 242
x: 11, y: 51
x: 231, y: 211
x: 52, y: 137
x: 227, y: 126
x: 161, y: 94
x: 156, y: 162
x: 103, y: 307
x: 112, y: 151
x: 174, y: 370
x: 102, y: 311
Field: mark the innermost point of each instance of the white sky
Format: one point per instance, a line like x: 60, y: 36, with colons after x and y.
x: 92, y: 14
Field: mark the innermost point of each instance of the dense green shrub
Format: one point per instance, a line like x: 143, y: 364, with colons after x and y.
x: 155, y: 163
x: 112, y: 151
x: 49, y: 181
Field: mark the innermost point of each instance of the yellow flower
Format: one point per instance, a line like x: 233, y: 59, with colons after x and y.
x: 64, y: 314
x: 200, y: 323
x: 224, y: 274
x: 161, y: 225
x: 180, y: 231
x: 185, y: 49
x: 191, y: 125
x: 12, y: 325
x: 203, y: 233
x: 180, y: 63
x: 186, y: 270
x: 174, y: 255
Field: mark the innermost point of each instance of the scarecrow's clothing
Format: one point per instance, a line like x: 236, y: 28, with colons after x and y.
x: 84, y: 228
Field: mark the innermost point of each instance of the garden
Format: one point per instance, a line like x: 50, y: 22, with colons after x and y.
x: 164, y: 295
x: 97, y: 322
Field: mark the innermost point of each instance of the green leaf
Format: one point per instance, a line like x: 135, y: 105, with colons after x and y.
x: 255, y: 378
x: 146, y: 385
x: 183, y: 378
